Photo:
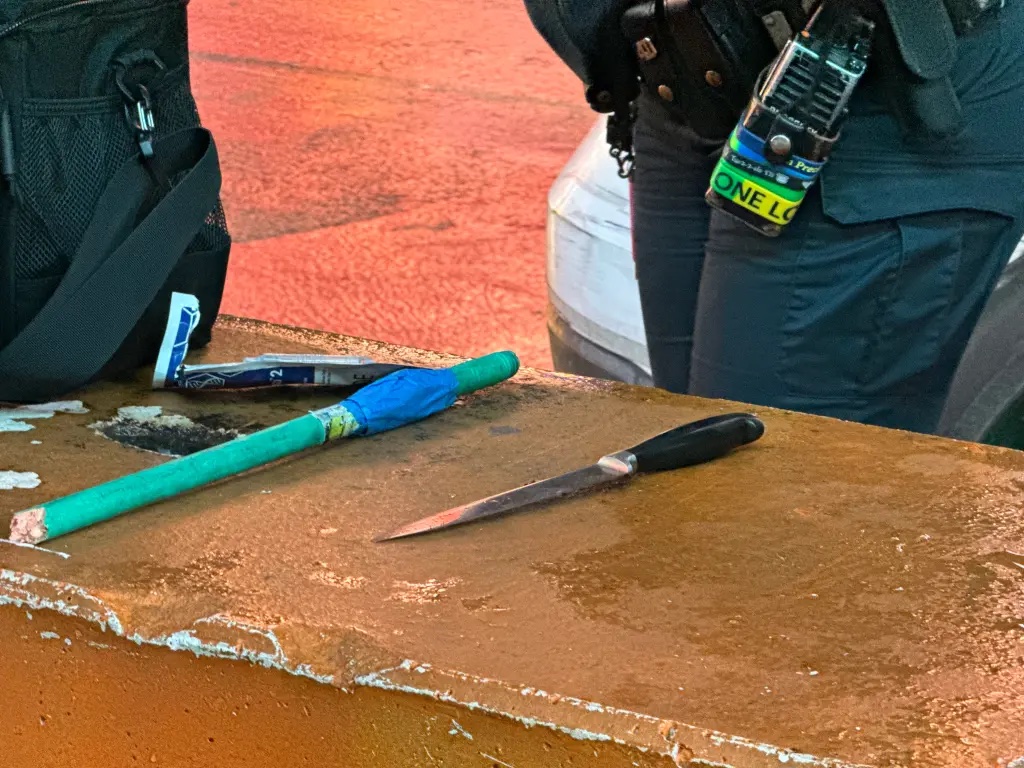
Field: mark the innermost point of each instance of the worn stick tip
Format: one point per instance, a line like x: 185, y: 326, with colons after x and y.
x: 29, y: 527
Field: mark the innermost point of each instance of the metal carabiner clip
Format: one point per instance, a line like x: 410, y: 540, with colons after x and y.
x: 140, y: 118
x: 138, y: 108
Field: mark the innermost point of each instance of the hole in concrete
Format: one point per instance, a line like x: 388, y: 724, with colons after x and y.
x: 148, y: 428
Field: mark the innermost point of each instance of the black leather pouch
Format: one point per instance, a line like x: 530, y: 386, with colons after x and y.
x: 916, y: 51
x: 701, y: 60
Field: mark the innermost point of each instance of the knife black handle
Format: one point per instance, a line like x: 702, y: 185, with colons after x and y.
x: 697, y: 442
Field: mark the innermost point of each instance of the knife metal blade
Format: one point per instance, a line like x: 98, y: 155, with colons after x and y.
x: 609, y: 470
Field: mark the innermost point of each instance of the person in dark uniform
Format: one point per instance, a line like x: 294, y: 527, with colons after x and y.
x: 862, y: 308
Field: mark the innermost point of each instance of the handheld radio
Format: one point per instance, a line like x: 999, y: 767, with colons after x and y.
x: 788, y: 130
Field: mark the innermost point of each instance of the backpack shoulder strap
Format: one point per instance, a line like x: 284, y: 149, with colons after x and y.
x: 124, y: 259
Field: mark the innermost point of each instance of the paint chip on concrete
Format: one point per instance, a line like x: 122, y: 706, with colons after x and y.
x: 140, y: 412
x: 33, y: 547
x: 16, y: 419
x: 427, y: 592
x: 496, y: 761
x: 458, y: 730
x: 331, y: 579
x: 10, y: 480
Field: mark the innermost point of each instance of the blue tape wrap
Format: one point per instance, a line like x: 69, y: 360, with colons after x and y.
x: 402, y: 398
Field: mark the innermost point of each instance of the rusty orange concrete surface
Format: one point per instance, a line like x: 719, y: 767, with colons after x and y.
x: 834, y: 595
x: 100, y: 702
x: 386, y: 165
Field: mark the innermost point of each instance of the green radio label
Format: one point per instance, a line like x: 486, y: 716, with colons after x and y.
x: 754, y: 195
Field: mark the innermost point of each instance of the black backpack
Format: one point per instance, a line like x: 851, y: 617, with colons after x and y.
x: 110, y: 194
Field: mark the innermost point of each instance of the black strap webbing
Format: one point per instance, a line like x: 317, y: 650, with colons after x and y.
x: 121, y: 264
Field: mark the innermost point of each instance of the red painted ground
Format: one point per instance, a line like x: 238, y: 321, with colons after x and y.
x: 387, y: 164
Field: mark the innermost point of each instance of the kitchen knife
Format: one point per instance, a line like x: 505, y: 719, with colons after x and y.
x: 693, y: 443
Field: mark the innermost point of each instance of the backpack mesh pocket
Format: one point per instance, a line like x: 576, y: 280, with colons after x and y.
x: 68, y: 152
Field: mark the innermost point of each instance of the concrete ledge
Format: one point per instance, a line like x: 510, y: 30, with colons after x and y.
x: 835, y: 595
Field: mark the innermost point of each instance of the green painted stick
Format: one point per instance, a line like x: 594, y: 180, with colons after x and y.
x: 349, y: 417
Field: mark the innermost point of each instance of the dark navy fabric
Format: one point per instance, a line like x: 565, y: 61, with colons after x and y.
x: 861, y: 310
x: 873, y: 174
x: 574, y: 30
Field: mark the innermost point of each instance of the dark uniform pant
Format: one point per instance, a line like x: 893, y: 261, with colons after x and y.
x: 862, y: 309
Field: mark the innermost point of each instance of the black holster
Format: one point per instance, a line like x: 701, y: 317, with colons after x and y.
x: 915, y: 51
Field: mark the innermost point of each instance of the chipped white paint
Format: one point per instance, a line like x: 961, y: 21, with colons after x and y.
x: 381, y: 681
x: 68, y: 599
x: 23, y: 590
x: 426, y: 592
x: 495, y: 760
x: 61, y: 406
x: 9, y: 480
x: 674, y: 753
x: 671, y: 730
x: 140, y: 412
x: 144, y: 414
x: 14, y: 419
x: 331, y: 579
x: 55, y: 636
x: 458, y: 730
x: 186, y: 640
x: 26, y: 545
x: 13, y: 425
x: 782, y: 755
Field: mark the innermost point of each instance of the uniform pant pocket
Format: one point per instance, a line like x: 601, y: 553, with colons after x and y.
x: 885, y: 320
x: 865, y: 322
